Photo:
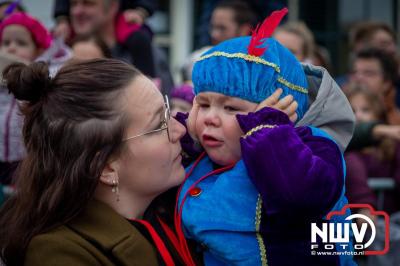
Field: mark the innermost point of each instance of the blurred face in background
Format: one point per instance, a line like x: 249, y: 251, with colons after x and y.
x: 293, y: 42
x: 88, y: 16
x: 223, y: 25
x: 368, y: 72
x: 362, y: 108
x: 383, y: 40
x: 18, y: 41
x: 87, y: 50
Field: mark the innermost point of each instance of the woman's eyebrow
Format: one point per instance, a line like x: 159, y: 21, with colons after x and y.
x: 157, y: 113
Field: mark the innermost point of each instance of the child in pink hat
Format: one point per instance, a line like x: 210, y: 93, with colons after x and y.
x: 23, y: 36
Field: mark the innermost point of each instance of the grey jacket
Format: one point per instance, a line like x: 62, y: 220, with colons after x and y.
x: 329, y: 108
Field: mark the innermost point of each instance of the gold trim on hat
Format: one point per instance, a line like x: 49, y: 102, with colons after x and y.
x: 258, y: 60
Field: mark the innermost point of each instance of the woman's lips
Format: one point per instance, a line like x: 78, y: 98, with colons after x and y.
x: 211, y: 142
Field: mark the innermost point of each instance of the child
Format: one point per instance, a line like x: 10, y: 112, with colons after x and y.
x: 86, y: 47
x: 181, y: 99
x: 27, y: 38
x: 24, y: 36
x: 379, y: 160
x: 251, y: 197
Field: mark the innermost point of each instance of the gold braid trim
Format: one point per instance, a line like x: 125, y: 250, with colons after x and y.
x: 247, y: 57
x: 291, y: 85
x: 258, y: 60
x: 263, y: 252
x: 257, y: 128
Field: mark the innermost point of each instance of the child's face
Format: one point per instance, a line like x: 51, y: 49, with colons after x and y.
x: 86, y: 51
x: 217, y: 128
x: 17, y: 40
x: 362, y: 109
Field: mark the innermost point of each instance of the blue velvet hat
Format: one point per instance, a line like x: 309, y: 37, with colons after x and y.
x: 252, y: 68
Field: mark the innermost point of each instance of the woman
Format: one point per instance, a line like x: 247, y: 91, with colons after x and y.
x: 97, y: 154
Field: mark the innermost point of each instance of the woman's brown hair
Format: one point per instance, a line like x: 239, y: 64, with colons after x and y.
x: 73, y: 124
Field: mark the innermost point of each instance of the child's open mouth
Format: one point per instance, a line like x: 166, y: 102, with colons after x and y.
x: 210, y: 141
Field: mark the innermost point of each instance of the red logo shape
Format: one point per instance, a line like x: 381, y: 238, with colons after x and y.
x: 374, y: 212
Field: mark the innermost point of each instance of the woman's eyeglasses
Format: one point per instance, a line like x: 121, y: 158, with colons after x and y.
x: 164, y: 125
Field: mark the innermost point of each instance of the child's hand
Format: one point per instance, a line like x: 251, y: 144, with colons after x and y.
x: 287, y: 105
x: 191, y: 121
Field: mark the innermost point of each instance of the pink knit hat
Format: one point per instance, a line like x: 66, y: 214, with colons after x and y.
x: 40, y: 34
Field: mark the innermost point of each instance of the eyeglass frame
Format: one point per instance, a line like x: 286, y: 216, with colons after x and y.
x: 167, y: 118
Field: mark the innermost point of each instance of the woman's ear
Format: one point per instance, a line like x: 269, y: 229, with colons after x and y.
x: 109, y: 175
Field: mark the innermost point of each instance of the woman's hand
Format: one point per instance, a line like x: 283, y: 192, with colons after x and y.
x: 287, y: 105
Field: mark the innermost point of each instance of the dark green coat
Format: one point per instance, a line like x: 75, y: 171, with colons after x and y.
x: 99, y: 236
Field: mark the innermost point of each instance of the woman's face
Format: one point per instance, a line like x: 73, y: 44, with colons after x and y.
x: 150, y: 164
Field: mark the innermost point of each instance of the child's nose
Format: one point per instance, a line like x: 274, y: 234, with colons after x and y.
x: 212, y: 118
x: 11, y: 49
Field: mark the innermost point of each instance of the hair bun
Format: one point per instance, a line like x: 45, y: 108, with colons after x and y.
x: 28, y: 82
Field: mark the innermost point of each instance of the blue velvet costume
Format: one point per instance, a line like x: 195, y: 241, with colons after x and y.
x: 260, y: 211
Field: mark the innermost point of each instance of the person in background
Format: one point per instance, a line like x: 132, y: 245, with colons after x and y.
x: 230, y: 19
x: 381, y: 159
x: 298, y: 38
x: 101, y: 145
x: 128, y: 42
x: 136, y: 11
x: 7, y: 7
x: 377, y: 35
x: 373, y: 34
x: 182, y: 99
x: 26, y: 39
x: 377, y: 71
x: 89, y: 47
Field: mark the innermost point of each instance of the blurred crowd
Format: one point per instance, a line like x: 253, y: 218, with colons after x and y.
x: 87, y: 29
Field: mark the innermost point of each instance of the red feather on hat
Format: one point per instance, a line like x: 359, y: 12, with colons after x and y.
x: 260, y: 33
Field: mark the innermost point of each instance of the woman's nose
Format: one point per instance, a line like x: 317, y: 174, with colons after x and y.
x: 177, y: 130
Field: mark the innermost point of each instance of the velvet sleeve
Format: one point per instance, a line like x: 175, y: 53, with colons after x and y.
x: 191, y: 149
x: 296, y: 172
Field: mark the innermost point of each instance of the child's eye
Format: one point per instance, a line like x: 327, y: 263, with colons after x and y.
x: 231, y: 108
x: 204, y: 105
x: 21, y: 43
